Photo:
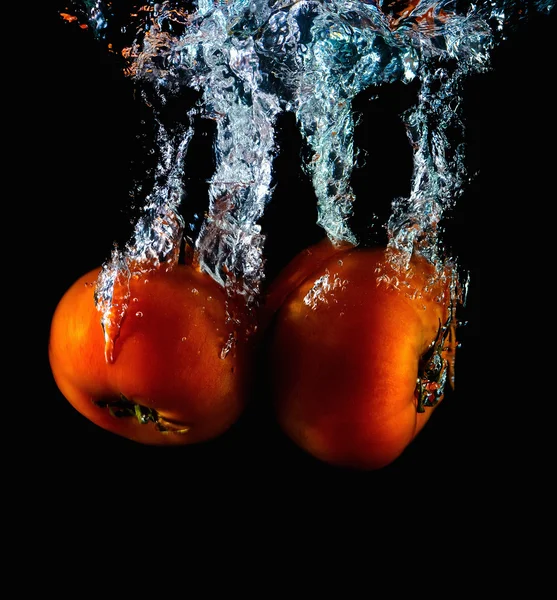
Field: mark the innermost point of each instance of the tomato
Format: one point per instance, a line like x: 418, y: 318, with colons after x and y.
x: 171, y: 380
x: 359, y: 352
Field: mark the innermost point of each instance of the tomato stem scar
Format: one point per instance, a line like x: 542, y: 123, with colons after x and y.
x: 126, y: 408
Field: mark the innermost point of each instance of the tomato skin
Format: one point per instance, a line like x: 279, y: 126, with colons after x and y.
x: 293, y: 274
x: 167, y: 358
x: 344, y: 361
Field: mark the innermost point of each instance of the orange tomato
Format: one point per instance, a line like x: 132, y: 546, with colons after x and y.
x: 359, y: 352
x: 171, y: 380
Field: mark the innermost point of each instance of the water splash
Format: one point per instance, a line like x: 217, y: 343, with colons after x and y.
x: 155, y: 242
x: 251, y: 61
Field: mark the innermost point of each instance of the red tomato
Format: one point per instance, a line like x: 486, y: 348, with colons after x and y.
x: 170, y: 382
x: 359, y: 353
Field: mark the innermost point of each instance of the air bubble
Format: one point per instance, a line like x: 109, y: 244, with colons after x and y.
x: 228, y: 346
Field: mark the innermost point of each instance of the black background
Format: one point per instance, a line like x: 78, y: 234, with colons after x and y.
x: 82, y: 137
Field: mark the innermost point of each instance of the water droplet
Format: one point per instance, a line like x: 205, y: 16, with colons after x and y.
x: 228, y: 346
x: 109, y: 350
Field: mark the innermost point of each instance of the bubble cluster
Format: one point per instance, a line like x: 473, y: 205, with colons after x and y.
x: 253, y: 60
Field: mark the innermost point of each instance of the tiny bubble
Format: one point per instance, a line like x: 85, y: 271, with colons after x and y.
x: 184, y: 339
x: 138, y: 314
x: 194, y: 291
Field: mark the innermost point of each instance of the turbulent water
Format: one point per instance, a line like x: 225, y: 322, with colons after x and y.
x: 253, y: 60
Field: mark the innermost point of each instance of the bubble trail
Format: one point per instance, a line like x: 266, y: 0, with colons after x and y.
x: 457, y: 46
x: 156, y: 240
x: 230, y: 243
x: 252, y: 60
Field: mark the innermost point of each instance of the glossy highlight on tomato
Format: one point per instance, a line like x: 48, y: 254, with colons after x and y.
x: 359, y: 352
x: 174, y: 379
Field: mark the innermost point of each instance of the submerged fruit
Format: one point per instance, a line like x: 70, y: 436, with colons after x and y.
x: 175, y: 377
x: 360, y: 352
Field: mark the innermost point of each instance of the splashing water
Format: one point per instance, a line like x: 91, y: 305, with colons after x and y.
x: 251, y: 61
